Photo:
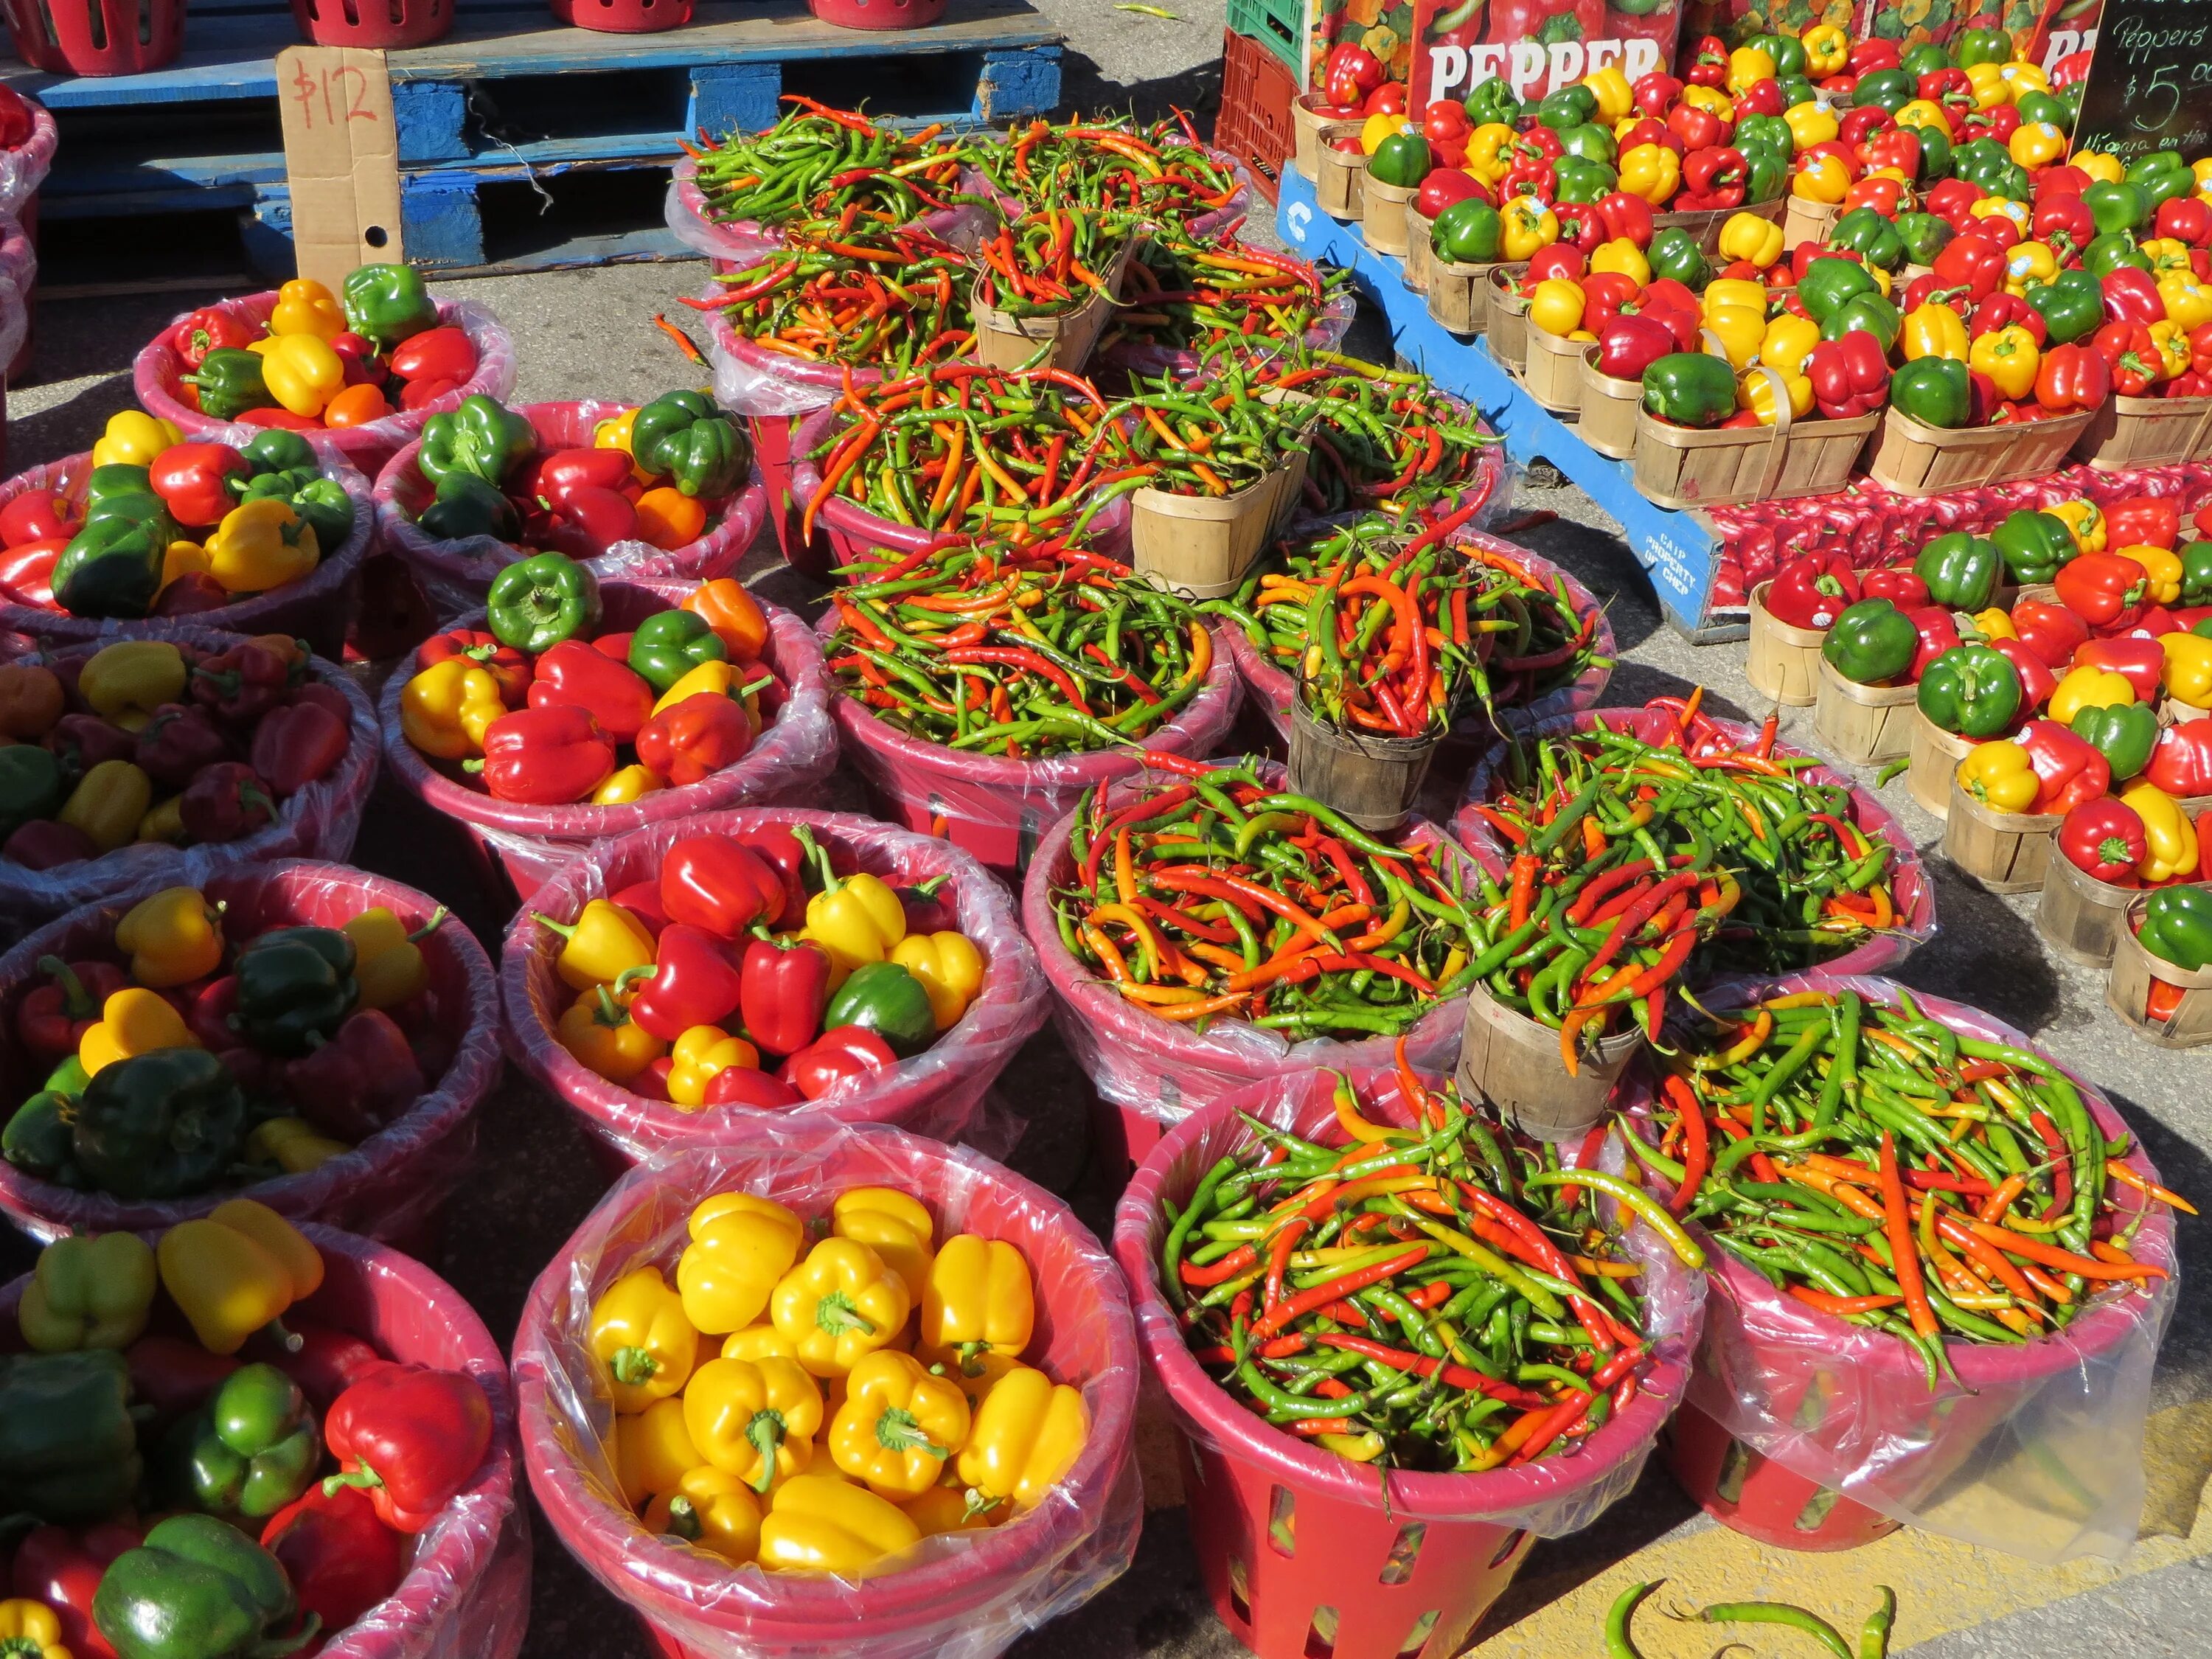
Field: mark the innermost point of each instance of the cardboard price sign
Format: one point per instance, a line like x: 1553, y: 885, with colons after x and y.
x: 1537, y: 46
x: 342, y: 158
x: 2150, y: 80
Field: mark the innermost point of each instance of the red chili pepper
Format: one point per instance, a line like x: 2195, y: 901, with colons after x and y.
x: 413, y: 1436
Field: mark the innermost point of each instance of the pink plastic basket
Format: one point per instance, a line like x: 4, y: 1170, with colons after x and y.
x: 998, y: 808
x: 938, y: 1093
x: 390, y: 1185
x: 1301, y: 1551
x: 96, y: 37
x: 530, y: 843
x: 385, y: 24
x: 623, y: 16
x: 157, y: 376
x: 969, y: 1595
x: 316, y: 608
x: 879, y: 13
x: 739, y: 243
x: 320, y: 822
x: 455, y: 575
x: 467, y: 1590
x: 1908, y: 883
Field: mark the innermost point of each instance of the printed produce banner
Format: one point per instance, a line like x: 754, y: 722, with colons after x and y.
x: 1536, y: 45
x: 1908, y: 22
x: 1385, y: 27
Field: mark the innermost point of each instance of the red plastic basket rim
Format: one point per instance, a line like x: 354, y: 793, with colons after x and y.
x: 1249, y: 1438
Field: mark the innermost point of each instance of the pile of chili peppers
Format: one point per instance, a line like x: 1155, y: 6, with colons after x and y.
x: 817, y: 161
x: 1162, y: 169
x: 1877, y: 1165
x: 1180, y: 440
x: 1442, y: 1298
x: 1049, y: 261
x: 972, y: 650
x: 1191, y: 293
x: 841, y: 294
x: 1221, y: 896
x: 1490, y: 634
x: 1635, y: 865
x: 1386, y: 438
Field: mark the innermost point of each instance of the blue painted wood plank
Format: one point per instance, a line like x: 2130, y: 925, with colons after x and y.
x: 1015, y: 84
x: 733, y: 98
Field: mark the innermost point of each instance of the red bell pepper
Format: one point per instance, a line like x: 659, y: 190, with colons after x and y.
x: 191, y: 480
x: 1580, y: 229
x: 2138, y: 661
x: 783, y: 987
x: 83, y: 741
x: 1626, y: 346
x: 1697, y: 127
x: 47, y: 843
x: 2068, y: 770
x: 2001, y: 311
x: 1648, y: 130
x: 2184, y: 219
x: 199, y: 332
x: 2069, y: 378
x: 1762, y: 97
x: 2063, y: 221
x: 1812, y: 589
x: 2130, y: 358
x: 412, y: 1437
x: 242, y: 683
x: 693, y: 982
x: 642, y: 900
x: 436, y: 354
x: 720, y: 886
x: 2104, y: 590
x: 1654, y: 93
x: 361, y: 1081
x: 546, y: 757
x: 1954, y: 200
x: 39, y: 515
x: 179, y: 743
x: 2066, y: 180
x: 1865, y: 129
x: 787, y: 859
x: 695, y: 738
x: 573, y: 676
x: 340, y: 1556
x: 1938, y: 631
x: 2105, y: 840
x: 1713, y: 179
x: 1850, y: 375
x: 2181, y: 764
x: 2132, y: 296
x: 1897, y: 583
x: 1871, y: 54
x: 420, y: 394
x: 63, y: 1568
x: 840, y: 1053
x: 174, y: 1376
x: 54, y: 1017
x: 1351, y: 73
x: 744, y: 1085
x: 279, y: 418
x: 2189, y: 383
x: 574, y: 469
x: 1970, y: 261
x: 1707, y: 62
x: 1606, y: 295
x: 27, y: 571
x: 1625, y: 218
x: 1556, y: 261
x: 2036, y: 681
x: 502, y: 662
x: 1445, y: 186
x: 297, y: 744
x: 2143, y: 522
x: 225, y: 802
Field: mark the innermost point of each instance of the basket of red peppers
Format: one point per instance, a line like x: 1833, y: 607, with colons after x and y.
x: 239, y: 1435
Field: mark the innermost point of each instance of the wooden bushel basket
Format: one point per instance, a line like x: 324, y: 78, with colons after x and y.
x: 1915, y: 459
x: 1420, y: 250
x: 1783, y: 663
x: 2171, y: 711
x: 1507, y: 328
x: 1512, y: 1061
x: 1005, y: 341
x: 1609, y: 406
x: 1382, y: 215
x: 1553, y: 373
x: 1681, y: 466
x: 1202, y: 545
x: 1336, y: 185
x: 2079, y: 916
x: 2127, y: 993
x: 1459, y: 293
x: 1366, y: 777
x: 1807, y: 222
x: 2005, y: 852
x: 1933, y: 754
x: 2124, y: 432
x: 1863, y: 725
x: 1704, y: 223
x: 1313, y: 133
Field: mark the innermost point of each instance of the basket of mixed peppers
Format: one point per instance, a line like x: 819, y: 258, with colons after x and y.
x: 1384, y: 440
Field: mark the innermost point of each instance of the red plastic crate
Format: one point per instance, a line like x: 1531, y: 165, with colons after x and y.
x: 1255, y: 123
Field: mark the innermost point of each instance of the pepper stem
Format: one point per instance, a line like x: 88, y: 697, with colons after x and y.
x: 632, y: 1366
x: 836, y: 1314
x: 74, y: 1000
x: 566, y: 929
x: 900, y: 1431
x: 765, y: 1433
x: 682, y: 1519
x: 817, y: 855
x: 437, y: 921
x: 364, y: 1477
x: 278, y: 1647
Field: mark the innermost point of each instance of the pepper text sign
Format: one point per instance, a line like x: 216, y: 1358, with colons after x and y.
x: 2150, y: 80
x: 341, y: 157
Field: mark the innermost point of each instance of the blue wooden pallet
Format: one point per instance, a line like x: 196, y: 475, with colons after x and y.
x: 1675, y: 549
x: 506, y: 103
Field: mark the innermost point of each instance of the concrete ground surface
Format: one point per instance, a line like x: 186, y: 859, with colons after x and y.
x: 589, y: 333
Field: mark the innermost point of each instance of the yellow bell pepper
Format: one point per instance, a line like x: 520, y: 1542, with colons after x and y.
x: 132, y: 1021
x: 950, y: 968
x: 2015, y: 214
x: 2084, y: 520
x: 2162, y: 566
x: 754, y: 1418
x: 293, y: 1145
x: 740, y: 1246
x: 1995, y: 624
x: 107, y: 803
x: 1810, y: 124
x: 133, y: 438
x: 30, y: 1630
x: 1751, y: 238
x: 1529, y: 225
x: 638, y: 1331
x: 2201, y: 171
x: 699, y: 1053
x: 1710, y: 98
x: 2172, y: 342
x: 1788, y: 342
x: 630, y: 783
x: 1827, y: 48
x: 653, y: 1451
x: 302, y: 372
x: 855, y: 919
x: 1609, y: 86
x: 234, y: 1270
x: 892, y: 1224
x: 164, y: 821
x: 1755, y: 391
x: 2008, y: 357
x: 1990, y: 89
x: 1556, y: 307
x: 2187, y: 671
x: 2036, y: 143
x: 979, y: 1300
x: 603, y: 944
x: 1934, y: 330
x: 1027, y: 1434
x: 445, y: 710
x: 1378, y: 127
x: 1622, y: 256
x: 599, y: 1035
x: 305, y: 307
x: 1485, y: 151
x: 183, y: 559
x: 1999, y: 774
x: 171, y: 938
x: 820, y: 1524
x: 261, y: 544
x: 2028, y: 264
x: 2168, y: 835
x: 714, y: 1510
x: 91, y: 1290
x: 709, y: 678
x: 1746, y: 65
x: 899, y: 1426
x: 1741, y: 330
x: 2167, y: 255
x: 1734, y: 292
x: 2023, y: 76
x: 389, y: 967
x: 955, y: 1508
x: 133, y: 675
x: 758, y: 1342
x: 2101, y: 167
x: 1826, y: 181
x: 2089, y: 688
x: 1925, y: 113
x: 2188, y: 298
x: 1652, y: 172
x: 839, y: 1305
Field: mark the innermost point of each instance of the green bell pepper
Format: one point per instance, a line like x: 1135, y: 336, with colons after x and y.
x: 1763, y: 132
x: 251, y: 1451
x: 1590, y: 142
x: 386, y: 304
x: 535, y: 604
x: 38, y: 1140
x: 69, y: 1450
x: 279, y: 485
x: 2177, y: 926
x: 1787, y: 53
x: 1960, y: 570
x: 1401, y: 159
x: 699, y: 449
x: 1933, y: 391
x: 1467, y: 233
x: 1795, y: 90
x: 2114, y: 206
x: 69, y: 1077
x: 1872, y: 641
x: 229, y: 382
x: 1866, y: 313
x: 1828, y: 284
x: 464, y: 505
x: 1925, y: 57
x: 1924, y: 236
x: 481, y: 436
x: 2109, y: 250
x: 113, y: 568
x: 2124, y: 733
x: 31, y: 786
x: 2071, y: 305
x: 670, y: 644
x: 1971, y: 691
x: 278, y: 450
x: 295, y: 987
x: 882, y: 996
x: 1864, y: 232
x: 168, y: 1123
x: 2035, y: 106
x: 2160, y: 175
x: 1890, y: 90
x: 1979, y: 159
x: 1690, y: 388
x: 2196, y: 576
x: 1492, y: 102
x: 198, y: 1589
x: 115, y: 481
x: 1674, y: 253
x: 1975, y: 46
x: 2033, y: 544
x: 1583, y: 182
x: 1569, y: 106
x: 1936, y: 152
x: 322, y: 502
x: 1765, y: 172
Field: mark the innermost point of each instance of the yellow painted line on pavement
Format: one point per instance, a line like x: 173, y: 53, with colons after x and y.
x: 1941, y: 1586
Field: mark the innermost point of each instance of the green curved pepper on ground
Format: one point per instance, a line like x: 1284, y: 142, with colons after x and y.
x: 1872, y: 641
x: 1971, y: 691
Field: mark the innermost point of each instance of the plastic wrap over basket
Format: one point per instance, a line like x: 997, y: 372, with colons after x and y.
x: 24, y: 168
x: 938, y: 1093
x: 742, y: 243
x: 2036, y: 1449
x: 965, y: 1597
x: 1910, y: 884
x: 1271, y: 687
x: 158, y: 376
x: 794, y: 752
x: 316, y: 608
x: 19, y: 273
x: 751, y: 380
x: 998, y: 808
x: 456, y: 575
x: 1291, y: 1537
x: 466, y: 1595
x: 319, y: 822
x: 391, y: 1185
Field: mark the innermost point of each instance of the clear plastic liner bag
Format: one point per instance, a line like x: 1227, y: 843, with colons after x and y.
x: 751, y: 380
x: 19, y: 270
x: 24, y: 168
x: 740, y: 243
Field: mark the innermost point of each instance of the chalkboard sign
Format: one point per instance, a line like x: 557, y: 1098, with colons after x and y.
x: 2150, y: 81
